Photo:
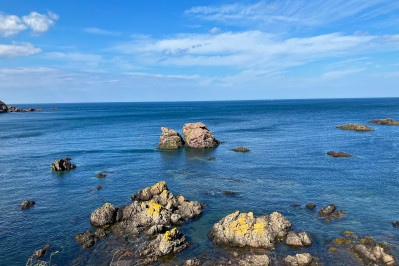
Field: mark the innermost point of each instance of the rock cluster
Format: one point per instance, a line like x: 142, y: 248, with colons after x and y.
x: 328, y: 210
x: 197, y: 135
x: 386, y: 121
x: 19, y: 110
x: 338, y: 154
x: 170, y: 140
x: 240, y: 149
x: 298, y: 260
x: 27, y: 204
x: 63, y: 165
x: 3, y: 107
x: 355, y: 127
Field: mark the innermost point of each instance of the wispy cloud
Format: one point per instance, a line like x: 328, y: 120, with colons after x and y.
x: 17, y: 50
x: 100, y: 31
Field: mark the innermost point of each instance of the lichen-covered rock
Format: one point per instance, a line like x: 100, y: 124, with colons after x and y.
x: 149, y: 192
x: 240, y: 149
x: 87, y: 239
x: 63, y: 165
x: 104, y: 215
x: 246, y: 230
x: 3, y: 107
x: 298, y: 239
x: 338, y: 154
x: 27, y: 204
x: 298, y: 260
x: 386, y: 121
x: 197, y: 135
x: 254, y: 260
x: 328, y: 210
x: 170, y: 140
x: 310, y: 206
x: 355, y: 127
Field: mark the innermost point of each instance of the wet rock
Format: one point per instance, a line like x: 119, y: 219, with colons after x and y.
x: 211, y: 158
x: 295, y: 205
x: 101, y: 175
x: 378, y: 253
x: 246, y: 230
x: 328, y: 210
x: 386, y: 121
x: 149, y: 192
x: 63, y: 165
x: 27, y: 204
x: 338, y: 154
x: 104, y: 215
x: 226, y: 192
x: 100, y: 233
x: 3, y: 107
x: 87, y: 239
x: 170, y: 140
x: 310, y: 206
x: 395, y: 223
x: 355, y: 127
x: 298, y: 239
x: 99, y: 187
x: 192, y: 263
x: 298, y: 260
x: 250, y: 260
x: 41, y: 252
x: 241, y: 149
x: 197, y: 135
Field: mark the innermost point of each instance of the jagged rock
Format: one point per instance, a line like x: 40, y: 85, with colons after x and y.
x: 211, y: 158
x: 104, y: 215
x: 197, y: 135
x: 3, y: 107
x: 298, y: 260
x: 240, y: 149
x: 355, y: 127
x: 156, y: 229
x: 310, y: 205
x: 246, y: 230
x: 377, y: 253
x: 386, y: 121
x: 298, y: 239
x: 41, y: 252
x: 328, y: 210
x: 101, y: 175
x: 63, y: 165
x: 338, y: 154
x: 192, y: 263
x: 170, y: 140
x: 87, y: 239
x: 27, y: 204
x: 149, y: 192
x: 100, y: 233
x: 252, y: 260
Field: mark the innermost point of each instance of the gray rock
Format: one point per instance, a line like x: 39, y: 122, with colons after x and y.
x: 149, y: 192
x: 298, y: 260
x: 27, y: 204
x: 298, y: 239
x: 170, y: 140
x: 197, y: 135
x: 310, y: 205
x: 104, y: 215
x: 87, y: 239
x: 328, y: 210
x: 63, y: 165
x: 254, y: 260
x: 375, y: 253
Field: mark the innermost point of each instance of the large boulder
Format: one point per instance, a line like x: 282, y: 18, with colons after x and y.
x: 63, y: 165
x: 3, y: 107
x: 386, y: 121
x: 303, y: 259
x: 104, y: 215
x: 247, y: 230
x: 170, y: 140
x: 197, y: 135
x: 298, y: 239
x: 355, y: 127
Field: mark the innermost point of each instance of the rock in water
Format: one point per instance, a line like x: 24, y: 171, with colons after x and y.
x: 27, y: 204
x: 310, y: 206
x: 104, y: 215
x: 355, y: 127
x: 372, y: 253
x: 87, y: 239
x: 338, y: 154
x: 41, y: 252
x: 149, y: 192
x: 252, y: 260
x: 197, y: 135
x: 63, y: 165
x: 3, y: 107
x: 240, y: 149
x: 298, y: 260
x: 246, y: 230
x: 170, y: 140
x: 386, y: 121
x: 328, y: 210
x: 298, y: 239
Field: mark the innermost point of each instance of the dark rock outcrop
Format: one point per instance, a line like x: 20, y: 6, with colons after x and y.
x: 27, y: 204
x: 197, y: 135
x: 41, y: 252
x: 386, y: 121
x: 395, y: 223
x: 303, y: 259
x: 87, y: 239
x: 246, y: 230
x: 241, y: 149
x: 310, y: 206
x: 328, y: 210
x: 355, y: 127
x: 170, y: 140
x: 338, y: 154
x: 3, y: 107
x: 298, y: 239
x: 63, y: 165
x: 101, y: 175
x: 104, y: 215
x: 226, y: 192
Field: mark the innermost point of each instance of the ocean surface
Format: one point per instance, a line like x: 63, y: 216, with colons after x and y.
x: 287, y: 165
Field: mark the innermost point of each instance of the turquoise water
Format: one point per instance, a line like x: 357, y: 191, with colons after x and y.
x: 287, y: 165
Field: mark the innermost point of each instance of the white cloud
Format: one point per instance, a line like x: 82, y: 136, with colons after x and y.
x: 10, y: 25
x: 40, y: 22
x: 17, y: 50
x: 215, y: 30
x: 100, y: 31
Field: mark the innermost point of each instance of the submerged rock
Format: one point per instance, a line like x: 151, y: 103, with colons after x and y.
x: 298, y: 239
x: 338, y: 154
x: 211, y: 158
x: 3, y: 107
x: 27, y: 204
x: 246, y: 230
x: 63, y: 165
x: 328, y: 210
x: 310, y: 205
x: 240, y: 149
x: 298, y: 260
x: 386, y: 121
x: 41, y: 252
x: 355, y: 127
x: 170, y: 140
x: 87, y: 239
x: 226, y: 192
x: 197, y: 135
x: 104, y: 215
x: 101, y: 175
x: 250, y: 260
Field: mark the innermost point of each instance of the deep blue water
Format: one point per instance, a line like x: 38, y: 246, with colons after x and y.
x: 287, y: 165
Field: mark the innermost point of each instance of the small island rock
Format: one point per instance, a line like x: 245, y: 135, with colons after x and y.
x: 355, y: 127
x: 241, y: 149
x: 338, y: 154
x: 251, y: 260
x: 197, y: 135
x: 170, y: 140
x: 27, y: 204
x: 328, y: 210
x: 63, y: 165
x: 3, y: 107
x: 310, y: 206
x: 386, y: 121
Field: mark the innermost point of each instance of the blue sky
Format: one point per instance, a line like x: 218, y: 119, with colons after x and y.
x: 94, y: 51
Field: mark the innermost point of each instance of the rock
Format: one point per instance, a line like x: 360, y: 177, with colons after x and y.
x: 156, y: 229
x: 395, y: 223
x: 87, y: 239
x: 211, y: 158
x: 342, y: 241
x: 295, y: 205
x: 3, y: 107
x: 328, y: 210
x: 27, y: 204
x: 192, y: 263
x: 99, y: 187
x: 100, y: 233
x: 299, y: 259
x: 246, y: 230
x: 104, y: 215
x: 41, y: 252
x: 197, y: 135
x: 101, y: 175
x: 63, y: 165
x: 310, y: 205
x: 338, y: 154
x: 149, y: 192
x: 386, y: 121
x: 170, y: 140
x: 229, y: 192
x: 377, y: 253
x: 240, y: 149
x: 298, y: 239
x: 249, y: 260
x: 355, y: 127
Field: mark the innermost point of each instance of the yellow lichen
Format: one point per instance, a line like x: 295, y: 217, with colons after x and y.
x: 242, y: 221
x: 367, y: 240
x: 342, y: 241
x: 328, y: 220
x: 336, y: 214
x: 333, y: 249
x: 348, y: 233
x: 343, y: 212
x: 168, y: 235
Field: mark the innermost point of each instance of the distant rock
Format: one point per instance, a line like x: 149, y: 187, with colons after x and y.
x: 303, y: 259
x: 170, y: 140
x: 295, y: 205
x: 241, y: 149
x: 310, y: 205
x: 226, y: 192
x: 3, y: 107
x: 101, y: 175
x: 395, y: 223
x: 298, y: 239
x: 27, y: 204
x: 386, y: 121
x: 63, y: 165
x: 211, y: 158
x: 338, y: 154
x: 197, y: 135
x: 355, y: 127
x: 99, y: 187
x: 328, y: 210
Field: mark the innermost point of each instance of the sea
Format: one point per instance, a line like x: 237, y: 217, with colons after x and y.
x: 287, y: 164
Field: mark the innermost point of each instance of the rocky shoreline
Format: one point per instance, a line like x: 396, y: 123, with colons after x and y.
x: 8, y: 109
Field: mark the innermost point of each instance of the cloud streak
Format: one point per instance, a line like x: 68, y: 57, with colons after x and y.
x: 17, y: 50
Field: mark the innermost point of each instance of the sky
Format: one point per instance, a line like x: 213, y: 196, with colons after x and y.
x: 186, y: 50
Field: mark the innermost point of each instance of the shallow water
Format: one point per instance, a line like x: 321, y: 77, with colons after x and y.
x: 287, y: 165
